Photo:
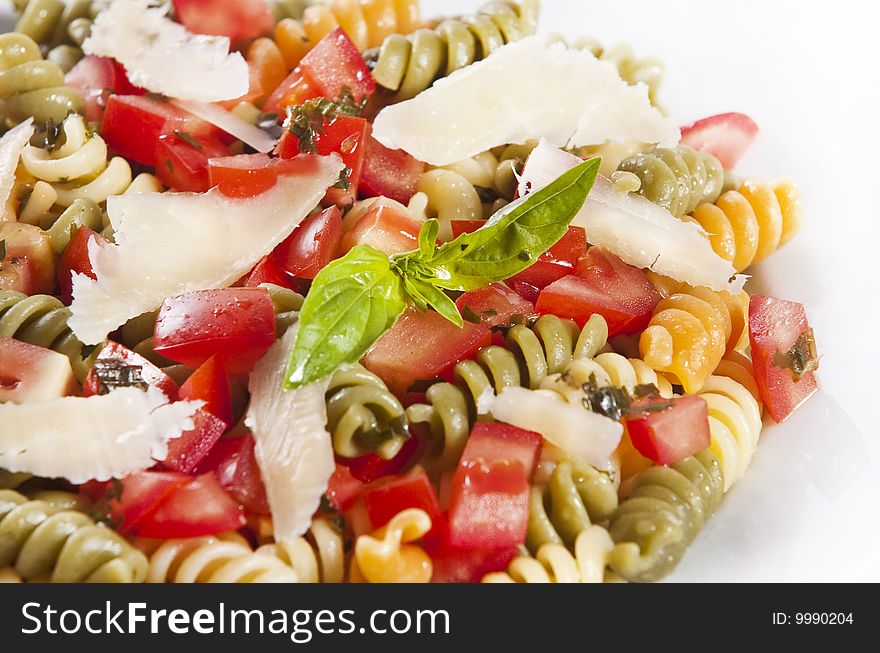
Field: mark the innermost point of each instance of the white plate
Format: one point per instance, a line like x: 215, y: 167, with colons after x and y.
x: 808, y: 508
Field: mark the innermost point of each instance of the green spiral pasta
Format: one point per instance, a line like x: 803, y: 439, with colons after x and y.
x: 60, y: 27
x: 287, y: 304
x: 42, y: 320
x: 31, y: 86
x: 633, y: 69
x: 665, y: 510
x: 576, y: 496
x: 678, y: 179
x: 410, y: 64
x: 363, y: 416
x: 531, y: 355
x: 46, y: 540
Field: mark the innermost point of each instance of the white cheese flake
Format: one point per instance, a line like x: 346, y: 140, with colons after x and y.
x: 293, y: 447
x: 230, y: 123
x: 530, y: 89
x: 640, y: 232
x: 172, y: 243
x: 99, y: 437
x: 162, y: 56
x: 11, y: 145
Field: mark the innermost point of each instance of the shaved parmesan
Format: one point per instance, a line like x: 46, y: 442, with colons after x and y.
x: 293, y: 447
x: 640, y: 232
x: 98, y: 437
x: 525, y: 90
x: 11, y: 145
x: 161, y: 56
x: 230, y: 123
x: 579, y: 432
x: 172, y: 243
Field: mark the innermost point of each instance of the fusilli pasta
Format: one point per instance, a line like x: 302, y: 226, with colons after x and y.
x: 60, y: 27
x: 388, y: 555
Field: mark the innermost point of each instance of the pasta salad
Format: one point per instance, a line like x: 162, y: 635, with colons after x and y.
x: 299, y: 291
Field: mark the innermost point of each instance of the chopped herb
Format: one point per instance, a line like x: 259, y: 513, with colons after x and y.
x: 308, y: 120
x: 63, y: 180
x: 347, y: 103
x: 113, y: 374
x: 189, y: 140
x: 169, y: 165
x: 802, y: 358
x: 344, y: 181
x: 103, y: 509
x: 490, y: 312
x: 25, y: 195
x: 524, y: 256
x: 326, y: 505
x: 468, y: 314
x: 610, y: 401
x: 48, y: 136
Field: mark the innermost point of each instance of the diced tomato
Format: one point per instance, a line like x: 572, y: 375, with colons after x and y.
x: 422, y: 346
x: 783, y: 354
x: 268, y: 271
x: 370, y: 467
x: 29, y: 265
x: 726, y: 136
x: 237, y: 19
x: 186, y: 452
x: 493, y: 305
x: 335, y: 65
x: 414, y: 490
x: 454, y: 564
x: 133, y: 499
x: 243, y: 175
x: 201, y: 507
x: 182, y: 161
x: 386, y: 226
x: 489, y: 506
x: 343, y: 489
x: 669, y: 430
x: 389, y: 173
x: 96, y: 79
x: 31, y: 373
x: 235, y: 324
x: 345, y: 135
x: 296, y: 89
x: 209, y: 384
x: 604, y: 284
x: 75, y: 259
x: 235, y: 465
x: 526, y: 290
x: 132, y: 125
x: 117, y: 358
x: 312, y: 245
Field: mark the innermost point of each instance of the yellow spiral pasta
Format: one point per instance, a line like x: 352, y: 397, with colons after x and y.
x: 737, y: 366
x: 387, y: 556
x: 746, y: 225
x: 9, y: 575
x: 690, y: 332
x: 367, y: 22
x: 609, y: 369
x: 553, y: 563
x: 31, y: 86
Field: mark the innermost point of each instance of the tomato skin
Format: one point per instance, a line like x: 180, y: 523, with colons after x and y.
x: 150, y: 374
x: 386, y: 226
x: 200, y: 507
x: 726, y: 136
x: 268, y: 271
x: 186, y: 452
x: 312, y: 245
x: 384, y: 500
x: 236, y: 19
x: 182, y: 166
x: 389, y: 173
x: 132, y: 125
x: 234, y: 463
x: 526, y: 290
x: 141, y: 493
x: 670, y: 435
x: 297, y: 88
x: 335, y: 64
x: 454, y: 564
x: 489, y: 505
x: 75, y: 258
x: 32, y: 373
x: 242, y: 175
x: 371, y: 467
x: 343, y: 489
x: 209, y: 384
x: 604, y: 284
x: 495, y: 304
x: 95, y: 79
x: 423, y: 346
x: 775, y: 325
x: 235, y: 324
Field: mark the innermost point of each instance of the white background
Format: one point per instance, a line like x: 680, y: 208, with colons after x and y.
x: 809, y: 508
x: 807, y: 72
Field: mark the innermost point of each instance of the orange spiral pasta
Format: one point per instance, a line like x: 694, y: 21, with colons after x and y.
x: 691, y: 331
x: 747, y: 225
x: 367, y: 23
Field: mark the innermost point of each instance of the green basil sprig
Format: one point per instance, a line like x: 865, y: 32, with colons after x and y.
x: 357, y: 298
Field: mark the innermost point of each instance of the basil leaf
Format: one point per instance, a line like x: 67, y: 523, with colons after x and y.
x: 425, y: 294
x: 428, y: 238
x: 352, y: 302
x: 515, y: 236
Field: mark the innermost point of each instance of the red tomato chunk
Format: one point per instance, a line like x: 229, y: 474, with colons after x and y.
x: 389, y: 173
x: 234, y: 463
x: 312, y: 245
x: 75, y: 259
x: 386, y: 226
x: 669, y: 430
x: 237, y: 19
x: 414, y: 490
